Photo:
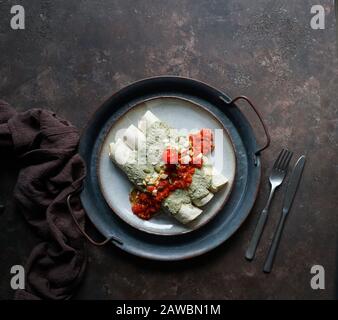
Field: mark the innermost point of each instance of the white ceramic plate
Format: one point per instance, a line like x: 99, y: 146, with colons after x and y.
x: 181, y: 114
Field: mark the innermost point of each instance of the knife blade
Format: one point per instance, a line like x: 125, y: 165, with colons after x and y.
x: 293, y: 184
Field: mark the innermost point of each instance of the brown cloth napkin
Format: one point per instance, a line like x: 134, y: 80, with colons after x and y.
x: 45, y: 147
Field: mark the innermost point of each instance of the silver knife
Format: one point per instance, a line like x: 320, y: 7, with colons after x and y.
x: 288, y: 199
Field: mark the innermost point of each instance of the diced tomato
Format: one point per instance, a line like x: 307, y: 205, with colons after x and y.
x: 202, y: 142
x: 170, y: 156
x: 151, y: 188
x: 206, y: 134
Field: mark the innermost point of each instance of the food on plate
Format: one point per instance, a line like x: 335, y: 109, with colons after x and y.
x: 146, y: 121
x: 178, y: 203
x: 217, y: 179
x: 134, y: 138
x: 170, y: 170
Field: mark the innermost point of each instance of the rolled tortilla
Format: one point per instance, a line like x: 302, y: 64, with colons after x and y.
x: 120, y: 153
x: 217, y: 182
x: 134, y: 138
x: 178, y: 204
x: 203, y: 201
x: 188, y: 213
x: 199, y: 187
x: 127, y: 160
x: 146, y: 121
x: 217, y: 179
x: 158, y: 137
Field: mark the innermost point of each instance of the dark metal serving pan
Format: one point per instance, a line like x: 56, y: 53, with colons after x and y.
x: 243, y: 194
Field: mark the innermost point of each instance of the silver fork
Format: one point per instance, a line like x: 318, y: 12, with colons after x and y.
x: 276, y: 178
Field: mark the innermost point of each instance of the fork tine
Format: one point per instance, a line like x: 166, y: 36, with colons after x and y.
x: 275, y: 165
x: 281, y: 160
x: 287, y: 161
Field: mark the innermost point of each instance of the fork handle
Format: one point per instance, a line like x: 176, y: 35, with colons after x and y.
x: 274, y: 245
x: 250, y: 252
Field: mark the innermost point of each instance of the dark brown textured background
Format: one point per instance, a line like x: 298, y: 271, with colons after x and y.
x: 76, y: 53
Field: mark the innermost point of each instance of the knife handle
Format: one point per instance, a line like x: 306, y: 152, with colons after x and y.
x: 274, y: 245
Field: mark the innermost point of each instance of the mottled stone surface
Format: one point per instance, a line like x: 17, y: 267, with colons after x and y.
x: 76, y: 53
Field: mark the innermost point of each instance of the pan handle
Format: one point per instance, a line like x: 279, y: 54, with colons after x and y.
x: 84, y: 233
x: 267, y: 143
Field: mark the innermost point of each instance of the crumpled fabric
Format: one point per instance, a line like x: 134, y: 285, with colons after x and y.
x: 45, y: 148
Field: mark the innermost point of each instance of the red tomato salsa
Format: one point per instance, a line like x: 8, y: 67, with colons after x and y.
x: 176, y: 175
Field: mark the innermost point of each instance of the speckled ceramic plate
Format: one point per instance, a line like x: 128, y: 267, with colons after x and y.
x: 179, y: 113
x: 225, y: 222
